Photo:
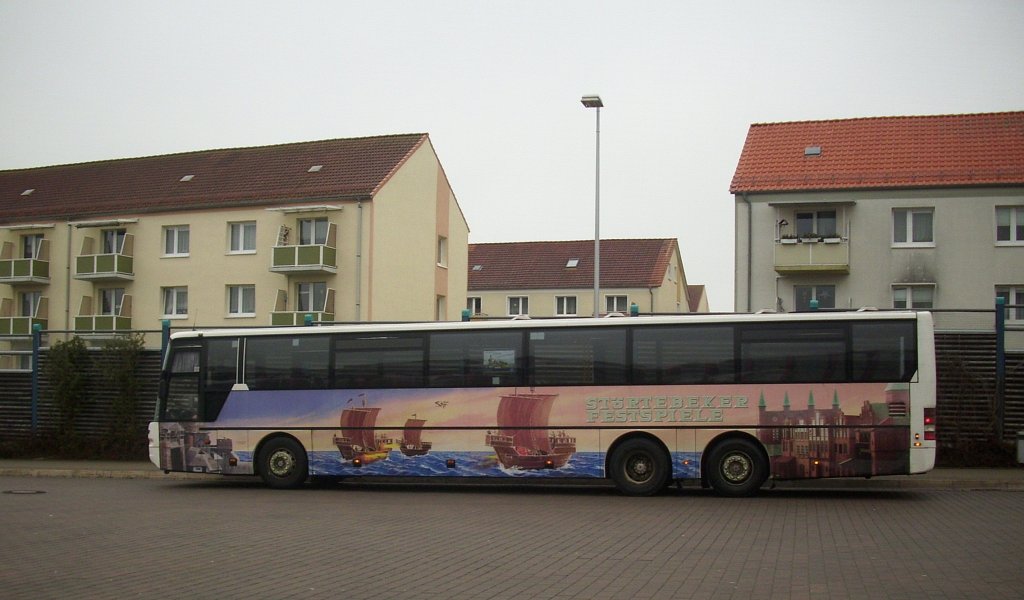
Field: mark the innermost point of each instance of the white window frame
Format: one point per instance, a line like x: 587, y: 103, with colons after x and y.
x: 307, y: 295
x: 237, y: 297
x: 562, y: 306
x: 442, y: 251
x: 29, y: 304
x: 314, y: 235
x: 1016, y: 218
x: 522, y: 306
x: 908, y: 232
x: 816, y: 288
x: 112, y: 240
x: 110, y: 301
x: 611, y: 303
x: 441, y: 308
x: 174, y: 302
x: 1013, y: 294
x: 475, y: 304
x: 237, y: 238
x: 176, y: 241
x: 31, y: 244
x: 908, y: 292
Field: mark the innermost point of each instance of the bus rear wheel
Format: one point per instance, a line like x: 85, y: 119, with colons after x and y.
x: 639, y: 467
x: 736, y: 468
x: 283, y: 463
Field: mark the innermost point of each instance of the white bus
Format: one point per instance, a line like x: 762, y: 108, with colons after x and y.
x: 729, y: 400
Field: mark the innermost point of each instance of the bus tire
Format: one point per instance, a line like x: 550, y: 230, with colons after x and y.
x: 736, y: 468
x: 283, y: 463
x: 639, y: 467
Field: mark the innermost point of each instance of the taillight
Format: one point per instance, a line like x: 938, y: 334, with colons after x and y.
x: 929, y: 416
x: 929, y: 424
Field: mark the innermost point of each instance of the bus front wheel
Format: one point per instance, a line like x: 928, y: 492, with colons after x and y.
x: 283, y: 463
x: 639, y: 467
x: 736, y: 468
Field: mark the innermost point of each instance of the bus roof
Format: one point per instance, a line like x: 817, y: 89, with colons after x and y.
x: 643, y: 321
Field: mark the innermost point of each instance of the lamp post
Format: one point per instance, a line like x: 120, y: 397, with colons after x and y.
x: 595, y: 102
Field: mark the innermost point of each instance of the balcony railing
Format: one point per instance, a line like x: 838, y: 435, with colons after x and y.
x: 104, y: 267
x: 110, y: 266
x: 34, y: 269
x: 19, y: 325
x: 24, y: 270
x: 305, y: 259
x: 102, y: 323
x: 121, y: 321
x: 286, y: 318
x: 830, y: 255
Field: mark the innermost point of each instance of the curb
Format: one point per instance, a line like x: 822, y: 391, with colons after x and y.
x: 852, y: 484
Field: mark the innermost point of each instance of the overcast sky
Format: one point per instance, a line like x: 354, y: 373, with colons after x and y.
x: 497, y: 85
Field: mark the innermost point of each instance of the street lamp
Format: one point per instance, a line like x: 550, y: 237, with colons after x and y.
x: 595, y: 102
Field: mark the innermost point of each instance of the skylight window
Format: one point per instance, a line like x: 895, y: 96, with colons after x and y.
x: 572, y: 263
x: 187, y: 178
x: 812, y: 151
x: 28, y: 192
x: 315, y: 169
x: 478, y: 267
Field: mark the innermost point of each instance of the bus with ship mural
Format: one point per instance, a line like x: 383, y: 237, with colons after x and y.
x: 729, y: 401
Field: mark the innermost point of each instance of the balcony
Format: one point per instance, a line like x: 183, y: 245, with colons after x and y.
x: 35, y: 270
x: 120, y: 320
x: 323, y: 313
x: 114, y: 266
x: 289, y: 319
x: 22, y: 325
x: 306, y: 258
x: 829, y: 255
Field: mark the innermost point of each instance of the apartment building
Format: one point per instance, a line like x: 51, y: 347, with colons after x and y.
x: 337, y: 230
x: 556, y: 279
x: 891, y: 212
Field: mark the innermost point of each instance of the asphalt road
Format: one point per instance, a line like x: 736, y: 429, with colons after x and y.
x: 222, y: 538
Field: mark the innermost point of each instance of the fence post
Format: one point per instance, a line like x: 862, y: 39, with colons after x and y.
x: 165, y: 338
x: 37, y: 342
x: 1000, y: 365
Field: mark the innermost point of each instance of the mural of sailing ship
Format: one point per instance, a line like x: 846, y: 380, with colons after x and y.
x: 412, y: 444
x: 523, y: 439
x: 358, y: 440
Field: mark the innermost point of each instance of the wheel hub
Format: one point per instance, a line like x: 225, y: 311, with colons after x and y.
x: 281, y: 463
x: 639, y: 468
x: 736, y: 468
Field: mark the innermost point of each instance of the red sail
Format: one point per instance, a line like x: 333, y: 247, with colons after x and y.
x: 530, y: 411
x: 412, y: 432
x: 357, y: 424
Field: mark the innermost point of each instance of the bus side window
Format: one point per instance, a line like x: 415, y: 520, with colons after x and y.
x: 182, y: 400
x: 475, y: 359
x: 793, y: 353
x: 884, y: 351
x: 220, y: 376
x: 683, y: 354
x: 282, y: 362
x: 387, y: 361
x: 578, y: 356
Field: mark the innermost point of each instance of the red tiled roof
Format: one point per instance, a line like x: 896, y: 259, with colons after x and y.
x: 542, y: 265
x: 883, y: 152
x: 220, y: 178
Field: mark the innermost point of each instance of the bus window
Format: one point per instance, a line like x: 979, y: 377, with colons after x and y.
x: 476, y: 359
x: 221, y: 364
x: 287, y: 362
x: 683, y: 354
x: 181, y: 402
x: 386, y: 361
x: 788, y: 353
x: 578, y: 356
x: 884, y: 351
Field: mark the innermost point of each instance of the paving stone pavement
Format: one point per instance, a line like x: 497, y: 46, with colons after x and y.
x: 98, y: 537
